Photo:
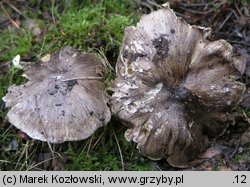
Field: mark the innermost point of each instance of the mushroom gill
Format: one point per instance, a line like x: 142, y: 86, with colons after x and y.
x: 63, y: 100
x: 174, y: 88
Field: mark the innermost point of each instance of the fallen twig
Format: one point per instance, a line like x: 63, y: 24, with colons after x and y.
x: 225, y: 21
x: 7, y: 14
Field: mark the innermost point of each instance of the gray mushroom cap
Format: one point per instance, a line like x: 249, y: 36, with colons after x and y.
x: 174, y: 87
x: 63, y: 100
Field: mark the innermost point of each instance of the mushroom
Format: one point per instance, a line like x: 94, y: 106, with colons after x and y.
x: 63, y: 100
x: 174, y: 87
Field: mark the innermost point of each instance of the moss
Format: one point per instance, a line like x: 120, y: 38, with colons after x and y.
x: 243, y: 157
x: 91, y: 27
x: 13, y: 43
x: 101, y: 152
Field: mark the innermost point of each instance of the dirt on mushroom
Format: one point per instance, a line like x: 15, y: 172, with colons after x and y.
x: 162, y: 46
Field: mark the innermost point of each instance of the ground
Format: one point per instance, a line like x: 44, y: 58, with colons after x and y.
x: 35, y: 28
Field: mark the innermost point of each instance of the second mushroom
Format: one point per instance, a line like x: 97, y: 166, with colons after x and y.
x: 174, y: 88
x: 64, y: 99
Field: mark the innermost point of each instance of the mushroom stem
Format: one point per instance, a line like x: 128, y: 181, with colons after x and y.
x: 83, y: 78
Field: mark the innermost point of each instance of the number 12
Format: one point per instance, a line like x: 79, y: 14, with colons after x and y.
x: 240, y: 179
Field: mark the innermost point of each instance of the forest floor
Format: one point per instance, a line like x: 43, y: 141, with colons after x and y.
x: 34, y: 28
